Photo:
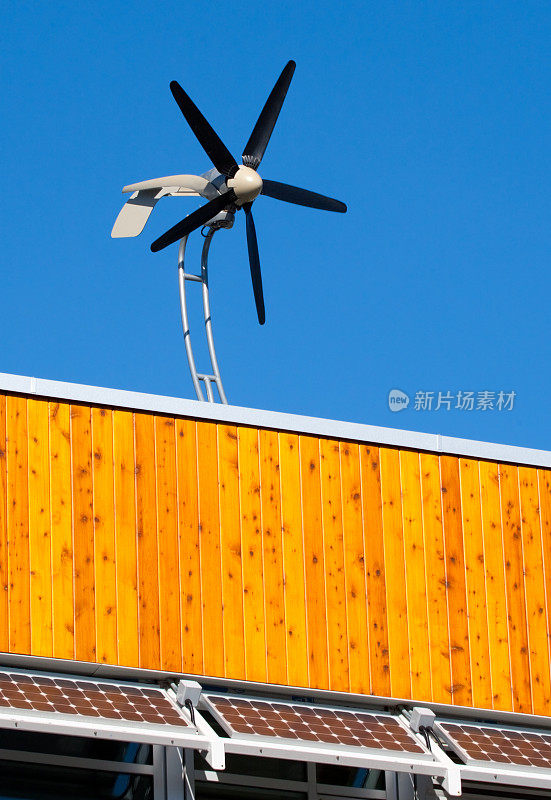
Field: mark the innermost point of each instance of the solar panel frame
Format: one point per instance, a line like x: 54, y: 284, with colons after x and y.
x: 40, y: 719
x: 493, y: 771
x: 422, y: 762
x: 417, y: 747
x: 206, y: 703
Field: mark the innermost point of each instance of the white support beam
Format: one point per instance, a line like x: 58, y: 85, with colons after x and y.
x: 215, y: 752
x: 532, y: 778
x: 174, y: 769
x: 159, y: 773
x: 189, y: 775
x: 97, y: 728
x: 352, y: 757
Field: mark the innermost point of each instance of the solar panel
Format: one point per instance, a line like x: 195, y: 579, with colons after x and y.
x: 312, y: 724
x: 95, y: 708
x: 476, y: 744
x: 326, y: 735
x: 88, y: 699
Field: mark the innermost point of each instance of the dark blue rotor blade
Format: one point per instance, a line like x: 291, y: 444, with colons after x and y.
x: 254, y: 263
x: 259, y: 138
x: 301, y: 197
x: 209, y: 140
x: 195, y: 220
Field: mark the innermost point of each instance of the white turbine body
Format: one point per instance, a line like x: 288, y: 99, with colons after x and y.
x: 246, y: 183
x: 145, y: 195
x: 185, y: 184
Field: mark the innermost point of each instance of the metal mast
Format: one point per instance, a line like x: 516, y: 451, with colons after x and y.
x: 207, y: 378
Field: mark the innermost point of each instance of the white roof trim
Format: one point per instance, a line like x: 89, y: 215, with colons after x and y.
x: 295, y: 423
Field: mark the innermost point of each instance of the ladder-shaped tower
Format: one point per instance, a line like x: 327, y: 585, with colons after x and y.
x: 198, y: 378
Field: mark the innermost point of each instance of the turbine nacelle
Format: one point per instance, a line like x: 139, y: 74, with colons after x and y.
x: 246, y: 183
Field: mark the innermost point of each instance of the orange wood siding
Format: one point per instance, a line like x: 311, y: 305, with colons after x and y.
x: 150, y: 541
x: 104, y: 535
x: 83, y: 534
x: 274, y: 593
x: 460, y: 651
x: 126, y: 546
x: 4, y: 577
x: 437, y: 583
x: 252, y: 556
x: 231, y: 550
x: 17, y: 513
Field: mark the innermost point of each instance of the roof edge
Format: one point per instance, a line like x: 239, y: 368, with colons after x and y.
x: 294, y: 423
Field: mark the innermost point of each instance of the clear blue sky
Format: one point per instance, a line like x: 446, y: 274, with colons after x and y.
x: 431, y: 120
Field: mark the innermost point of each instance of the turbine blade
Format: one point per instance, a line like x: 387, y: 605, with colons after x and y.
x: 301, y: 197
x: 254, y: 263
x: 195, y: 220
x: 209, y: 140
x: 258, y: 141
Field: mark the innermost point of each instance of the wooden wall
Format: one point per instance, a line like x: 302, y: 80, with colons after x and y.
x: 168, y: 543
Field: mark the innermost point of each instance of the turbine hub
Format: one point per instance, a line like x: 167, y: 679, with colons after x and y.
x: 246, y: 183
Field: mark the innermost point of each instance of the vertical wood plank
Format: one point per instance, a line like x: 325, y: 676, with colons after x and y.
x: 514, y: 582
x: 190, y: 558
x: 535, y: 588
x: 104, y: 535
x: 498, y: 635
x: 360, y: 664
x: 146, y: 520
x: 437, y: 584
x: 274, y: 599
x: 211, y: 566
x: 476, y: 583
x: 314, y: 562
x: 396, y: 575
x: 18, y: 526
x: 61, y: 503
x: 332, y: 509
x: 232, y: 568
x: 4, y: 575
x: 375, y: 572
x: 293, y: 553
x: 40, y: 554
x: 126, y: 538
x: 83, y: 534
x: 544, y: 487
x: 455, y: 571
x: 169, y: 571
x: 416, y: 577
x: 253, y: 568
